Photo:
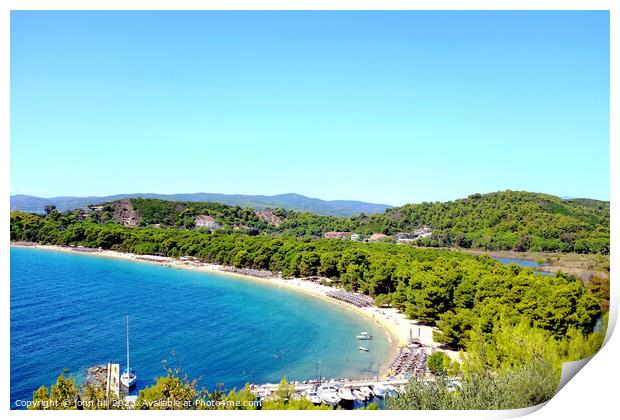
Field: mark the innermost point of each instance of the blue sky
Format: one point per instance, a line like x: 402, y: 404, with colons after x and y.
x: 388, y: 107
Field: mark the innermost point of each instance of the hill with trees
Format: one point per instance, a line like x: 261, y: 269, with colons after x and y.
x: 508, y: 220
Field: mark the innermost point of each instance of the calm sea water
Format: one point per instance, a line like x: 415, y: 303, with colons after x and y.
x: 68, y: 311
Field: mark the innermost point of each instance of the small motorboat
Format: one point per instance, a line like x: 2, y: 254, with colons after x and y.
x: 367, y: 392
x: 362, y: 348
x: 390, y: 391
x: 328, y: 394
x: 262, y: 393
x: 359, y: 396
x: 347, y: 399
x: 365, y: 336
x: 312, y: 396
x: 345, y: 394
x: 379, y: 390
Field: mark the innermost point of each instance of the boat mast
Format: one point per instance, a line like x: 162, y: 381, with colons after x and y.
x: 128, y: 375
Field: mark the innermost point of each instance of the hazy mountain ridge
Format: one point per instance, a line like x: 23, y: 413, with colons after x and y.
x: 291, y: 201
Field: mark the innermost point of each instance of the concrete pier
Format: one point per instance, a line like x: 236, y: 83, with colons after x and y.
x: 347, y: 384
x: 113, y: 379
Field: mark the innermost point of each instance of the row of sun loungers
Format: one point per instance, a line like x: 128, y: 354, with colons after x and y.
x: 356, y: 299
x: 409, y: 360
x: 249, y: 272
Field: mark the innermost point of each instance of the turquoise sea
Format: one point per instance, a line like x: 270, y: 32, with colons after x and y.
x: 68, y: 311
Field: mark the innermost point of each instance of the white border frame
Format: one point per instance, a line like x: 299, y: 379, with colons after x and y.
x: 592, y: 393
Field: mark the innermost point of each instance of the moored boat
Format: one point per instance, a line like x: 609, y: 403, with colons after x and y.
x: 345, y: 394
x: 312, y: 395
x: 347, y: 399
x: 390, y: 391
x: 262, y: 392
x: 365, y: 336
x: 362, y: 348
x: 366, y: 392
x: 359, y: 395
x: 379, y: 390
x: 128, y: 377
x: 328, y: 394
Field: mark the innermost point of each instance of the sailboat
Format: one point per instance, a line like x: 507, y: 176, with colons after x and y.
x: 128, y: 377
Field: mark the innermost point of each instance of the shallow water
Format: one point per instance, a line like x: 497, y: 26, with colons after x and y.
x: 68, y: 311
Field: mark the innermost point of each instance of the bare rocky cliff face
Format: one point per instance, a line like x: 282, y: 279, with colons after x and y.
x: 268, y: 216
x: 124, y: 213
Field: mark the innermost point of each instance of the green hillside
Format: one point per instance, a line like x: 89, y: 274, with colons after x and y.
x: 508, y: 220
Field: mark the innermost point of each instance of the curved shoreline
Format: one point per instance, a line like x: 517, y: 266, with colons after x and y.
x: 398, y: 328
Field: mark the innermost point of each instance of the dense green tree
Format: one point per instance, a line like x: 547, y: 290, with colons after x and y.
x: 171, y: 392
x: 438, y: 363
x: 454, y: 328
x: 62, y: 395
x: 285, y: 399
x: 243, y: 399
x: 50, y: 210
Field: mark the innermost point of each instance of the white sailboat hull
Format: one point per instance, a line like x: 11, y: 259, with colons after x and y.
x: 128, y: 381
x: 128, y: 378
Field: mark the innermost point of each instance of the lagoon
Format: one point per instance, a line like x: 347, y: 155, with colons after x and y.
x: 523, y: 263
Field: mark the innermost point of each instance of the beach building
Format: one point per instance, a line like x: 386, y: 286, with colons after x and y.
x: 337, y: 235
x: 407, y: 237
x: 377, y: 237
x: 83, y: 212
x: 403, y: 235
x: 423, y: 232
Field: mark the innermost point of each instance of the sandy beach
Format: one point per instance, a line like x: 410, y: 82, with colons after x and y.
x: 399, y: 329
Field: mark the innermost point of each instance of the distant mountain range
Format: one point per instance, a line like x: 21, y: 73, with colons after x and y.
x: 297, y: 202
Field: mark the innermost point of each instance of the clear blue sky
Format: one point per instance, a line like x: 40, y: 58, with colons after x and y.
x: 388, y: 107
